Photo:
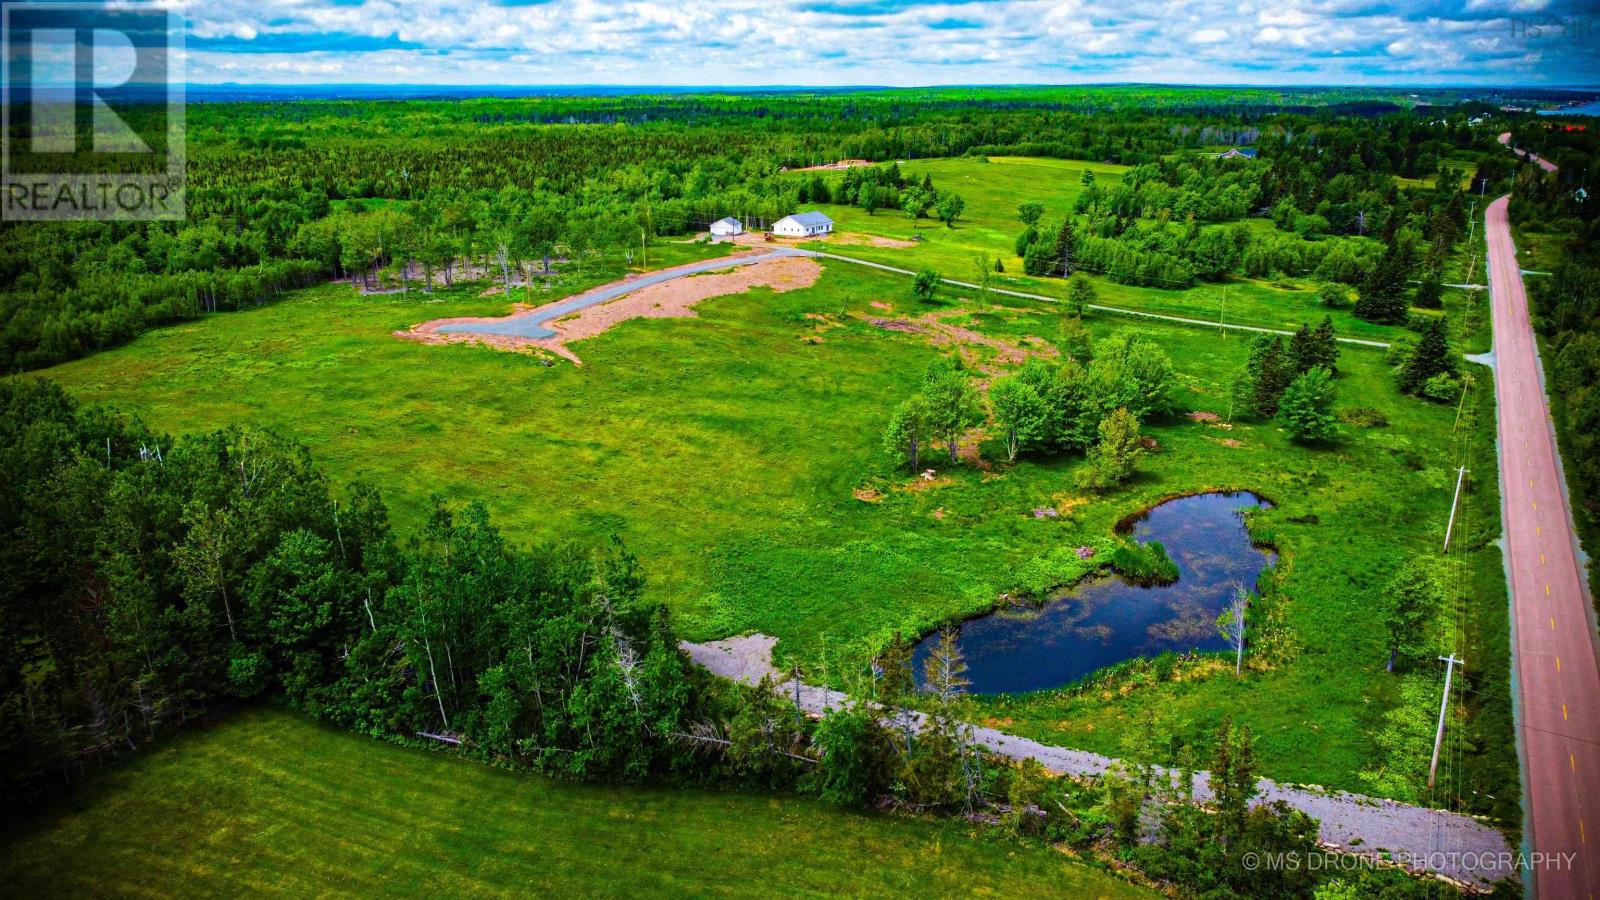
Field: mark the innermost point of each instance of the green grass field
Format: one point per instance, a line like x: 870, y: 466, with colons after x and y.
x: 994, y: 187
x: 726, y: 449
x: 267, y: 803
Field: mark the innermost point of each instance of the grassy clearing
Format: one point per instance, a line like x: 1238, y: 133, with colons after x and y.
x: 993, y: 188
x: 726, y: 450
x: 268, y: 803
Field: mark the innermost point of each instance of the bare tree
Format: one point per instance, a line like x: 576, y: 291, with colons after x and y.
x: 1231, y: 625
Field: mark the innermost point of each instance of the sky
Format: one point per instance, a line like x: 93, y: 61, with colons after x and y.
x: 891, y: 42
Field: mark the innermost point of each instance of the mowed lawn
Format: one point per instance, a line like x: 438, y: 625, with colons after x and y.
x: 727, y: 451
x: 992, y: 189
x: 268, y: 803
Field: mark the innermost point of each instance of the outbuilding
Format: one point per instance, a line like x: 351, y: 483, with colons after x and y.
x: 727, y: 227
x: 1238, y: 153
x: 806, y: 224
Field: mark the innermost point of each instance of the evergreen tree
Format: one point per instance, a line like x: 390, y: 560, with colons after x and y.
x: 1325, y: 346
x: 1429, y: 294
x: 1301, y: 352
x: 1431, y: 357
x: 1269, y: 375
x: 1065, y: 261
x: 1383, y: 295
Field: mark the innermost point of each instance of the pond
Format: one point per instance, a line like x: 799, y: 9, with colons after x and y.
x: 1107, y: 619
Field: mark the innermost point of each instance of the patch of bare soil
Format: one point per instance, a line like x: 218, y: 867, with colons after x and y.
x: 968, y: 448
x: 668, y: 299
x: 900, y: 325
x: 834, y: 166
x: 852, y: 239
x: 990, y: 356
x: 868, y: 494
x: 1204, y: 416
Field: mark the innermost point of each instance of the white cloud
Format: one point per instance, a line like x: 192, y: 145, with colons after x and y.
x: 872, y: 41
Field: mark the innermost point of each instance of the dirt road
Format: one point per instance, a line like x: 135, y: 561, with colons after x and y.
x: 1556, y: 662
x: 532, y: 324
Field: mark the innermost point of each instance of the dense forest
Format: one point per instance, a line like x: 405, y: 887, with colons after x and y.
x: 502, y: 181
x: 1566, y: 305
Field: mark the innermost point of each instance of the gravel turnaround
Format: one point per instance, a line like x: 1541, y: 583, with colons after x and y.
x: 531, y: 324
x: 1442, y: 843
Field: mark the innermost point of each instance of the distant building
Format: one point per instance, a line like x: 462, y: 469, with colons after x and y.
x: 806, y: 224
x: 1581, y: 194
x: 1238, y: 153
x: 727, y: 227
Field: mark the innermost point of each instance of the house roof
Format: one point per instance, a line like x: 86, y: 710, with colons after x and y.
x: 809, y: 219
x: 727, y: 220
x: 1246, y: 152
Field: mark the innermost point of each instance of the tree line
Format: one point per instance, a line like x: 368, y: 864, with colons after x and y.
x: 601, y: 174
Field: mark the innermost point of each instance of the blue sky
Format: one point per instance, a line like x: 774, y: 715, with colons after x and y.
x: 892, y: 42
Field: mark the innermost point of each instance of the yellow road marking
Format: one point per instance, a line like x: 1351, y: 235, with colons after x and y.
x: 1558, y: 664
x: 1538, y: 529
x: 1563, y: 712
x: 1552, y: 623
x: 1535, y: 504
x: 1582, y: 835
x: 1573, y: 760
x: 1547, y: 590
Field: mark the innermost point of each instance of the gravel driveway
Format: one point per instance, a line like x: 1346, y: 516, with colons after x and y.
x: 1443, y: 843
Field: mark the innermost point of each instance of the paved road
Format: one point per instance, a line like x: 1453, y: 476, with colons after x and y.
x: 1556, y: 666
x: 1424, y: 840
x: 1544, y: 164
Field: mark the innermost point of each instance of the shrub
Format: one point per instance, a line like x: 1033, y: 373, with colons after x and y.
x: 1363, y: 417
x: 1146, y: 564
x: 1306, y: 409
x: 1442, y: 388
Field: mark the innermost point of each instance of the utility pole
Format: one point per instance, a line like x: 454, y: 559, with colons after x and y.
x: 1444, y: 705
x: 1472, y: 250
x: 1465, y: 387
x: 1461, y: 475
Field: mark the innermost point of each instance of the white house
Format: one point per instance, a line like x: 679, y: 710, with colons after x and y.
x: 806, y: 224
x: 727, y: 227
x: 1238, y: 153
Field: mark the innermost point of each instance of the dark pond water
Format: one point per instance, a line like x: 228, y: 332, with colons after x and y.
x: 1107, y: 620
